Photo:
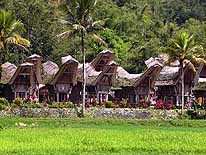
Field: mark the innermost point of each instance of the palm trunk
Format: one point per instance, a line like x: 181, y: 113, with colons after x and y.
x: 84, y: 75
x: 1, y: 62
x: 182, y: 85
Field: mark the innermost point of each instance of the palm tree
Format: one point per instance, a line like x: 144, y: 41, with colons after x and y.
x: 183, y: 49
x: 80, y: 22
x: 10, y: 30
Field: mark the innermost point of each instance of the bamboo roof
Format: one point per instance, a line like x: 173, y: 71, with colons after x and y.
x: 8, y: 71
x: 125, y: 79
x: 19, y: 69
x: 102, y: 59
x: 68, y: 63
x: 49, y: 69
x: 169, y: 75
x: 34, y: 56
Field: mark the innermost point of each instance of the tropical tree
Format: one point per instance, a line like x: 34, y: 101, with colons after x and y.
x: 10, y: 30
x: 184, y: 49
x: 80, y: 22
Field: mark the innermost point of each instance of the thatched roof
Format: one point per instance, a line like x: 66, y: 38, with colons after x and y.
x: 126, y: 79
x: 49, y: 69
x: 96, y: 67
x: 34, y: 56
x: 169, y: 75
x: 68, y: 64
x: 8, y: 71
x: 109, y: 72
x: 19, y: 69
x: 91, y: 73
x: 102, y: 59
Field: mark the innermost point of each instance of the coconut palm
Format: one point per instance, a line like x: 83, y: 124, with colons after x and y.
x: 184, y: 49
x: 80, y: 22
x: 10, y: 30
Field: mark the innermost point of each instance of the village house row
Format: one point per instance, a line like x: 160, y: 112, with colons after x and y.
x: 106, y: 80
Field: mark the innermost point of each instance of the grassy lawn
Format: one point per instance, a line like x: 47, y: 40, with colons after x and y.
x: 20, y: 136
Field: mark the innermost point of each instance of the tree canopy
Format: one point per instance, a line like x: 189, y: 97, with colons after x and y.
x: 134, y: 29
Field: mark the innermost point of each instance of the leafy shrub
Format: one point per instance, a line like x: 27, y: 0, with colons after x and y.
x: 13, y: 106
x: 4, y: 101
x: 69, y: 105
x: 94, y: 102
x: 26, y: 105
x: 87, y: 104
x: 143, y: 104
x: 2, y: 107
x: 56, y: 105
x: 18, y: 101
x: 161, y: 105
x: 37, y: 105
x: 169, y: 105
x: 123, y: 103
x: 109, y: 104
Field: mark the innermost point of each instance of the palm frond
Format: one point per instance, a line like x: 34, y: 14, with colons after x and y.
x: 66, y: 34
x: 98, y: 39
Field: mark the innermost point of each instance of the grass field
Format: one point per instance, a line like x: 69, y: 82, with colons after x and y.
x: 101, y: 136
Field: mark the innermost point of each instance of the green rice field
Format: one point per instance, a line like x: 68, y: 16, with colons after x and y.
x: 20, y: 136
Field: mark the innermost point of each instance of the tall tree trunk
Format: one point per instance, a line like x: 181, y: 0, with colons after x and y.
x: 182, y: 85
x: 1, y: 61
x: 84, y: 75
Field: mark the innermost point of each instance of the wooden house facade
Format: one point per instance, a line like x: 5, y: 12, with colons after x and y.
x: 100, y: 76
x: 168, y: 83
x: 134, y: 87
x: 105, y: 80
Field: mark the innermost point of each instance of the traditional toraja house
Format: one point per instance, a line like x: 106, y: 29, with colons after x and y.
x: 27, y: 78
x: 65, y: 79
x: 100, y: 76
x: 137, y: 86
x: 199, y: 89
x: 59, y: 81
x: 49, y: 70
x: 8, y: 71
x: 169, y: 83
x: 105, y: 80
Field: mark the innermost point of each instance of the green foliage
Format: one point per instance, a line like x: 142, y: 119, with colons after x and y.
x: 56, y: 105
x: 135, y: 30
x: 69, y: 105
x: 4, y: 101
x: 123, y: 103
x: 18, y: 101
x: 14, y: 106
x: 3, y: 106
x: 109, y: 104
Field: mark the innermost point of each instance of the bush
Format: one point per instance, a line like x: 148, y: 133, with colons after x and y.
x: 69, y: 105
x: 53, y: 105
x: 109, y: 104
x: 13, y: 106
x: 143, y: 104
x: 18, y: 101
x: 37, y: 105
x: 169, y: 105
x: 2, y: 107
x: 161, y: 105
x: 123, y: 103
x: 87, y: 104
x: 26, y: 105
x: 4, y: 101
